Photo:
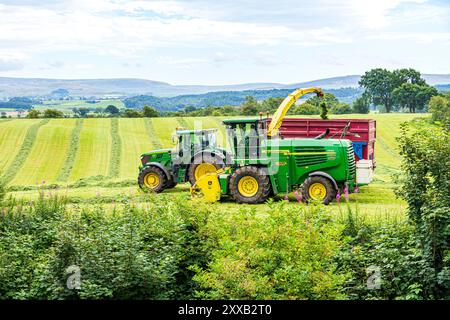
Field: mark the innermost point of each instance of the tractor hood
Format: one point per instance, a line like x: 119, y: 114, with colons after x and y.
x: 158, y: 151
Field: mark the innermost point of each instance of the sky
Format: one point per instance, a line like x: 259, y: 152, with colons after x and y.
x: 221, y: 42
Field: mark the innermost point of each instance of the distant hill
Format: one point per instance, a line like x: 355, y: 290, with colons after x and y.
x: 11, y: 87
x: 222, y: 98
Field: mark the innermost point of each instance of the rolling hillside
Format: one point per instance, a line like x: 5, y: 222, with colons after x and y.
x: 10, y: 87
x: 63, y: 151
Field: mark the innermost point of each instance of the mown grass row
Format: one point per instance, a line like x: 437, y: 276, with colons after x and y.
x: 184, y: 124
x: 24, y: 151
x: 73, y: 149
x: 116, y: 149
x: 156, y: 142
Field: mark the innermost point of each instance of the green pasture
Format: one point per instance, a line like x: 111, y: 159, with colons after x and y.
x: 92, y: 161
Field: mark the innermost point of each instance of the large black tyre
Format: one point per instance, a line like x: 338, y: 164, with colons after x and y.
x: 215, y: 160
x: 318, y: 188
x: 153, y: 179
x: 242, y: 183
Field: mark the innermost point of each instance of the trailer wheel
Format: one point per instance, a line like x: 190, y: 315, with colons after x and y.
x: 250, y: 185
x: 152, y: 179
x: 319, y: 189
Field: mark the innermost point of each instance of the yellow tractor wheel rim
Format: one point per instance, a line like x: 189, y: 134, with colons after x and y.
x: 317, y: 191
x: 151, y: 180
x: 204, y: 168
x: 248, y: 186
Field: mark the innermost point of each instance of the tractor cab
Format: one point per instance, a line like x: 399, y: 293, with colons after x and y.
x: 190, y: 142
x: 246, y: 136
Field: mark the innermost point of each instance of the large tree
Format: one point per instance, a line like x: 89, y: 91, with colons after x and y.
x: 379, y: 84
x: 150, y: 112
x: 413, y: 96
x: 250, y: 106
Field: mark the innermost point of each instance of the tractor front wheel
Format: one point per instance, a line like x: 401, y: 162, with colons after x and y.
x: 319, y: 189
x: 250, y: 185
x: 203, y: 164
x: 152, y: 179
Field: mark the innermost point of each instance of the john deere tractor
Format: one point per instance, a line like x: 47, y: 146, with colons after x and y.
x: 263, y: 164
x: 195, y: 154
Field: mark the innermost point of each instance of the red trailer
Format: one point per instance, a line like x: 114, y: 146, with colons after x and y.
x: 362, y: 133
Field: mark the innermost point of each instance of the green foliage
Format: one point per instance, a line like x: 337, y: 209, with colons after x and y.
x: 362, y: 104
x: 425, y: 186
x: 150, y: 112
x: 249, y: 107
x: 71, y: 153
x: 439, y: 107
x: 341, y: 108
x: 116, y: 149
x: 287, y: 254
x: 33, y: 114
x: 398, y: 88
x: 305, y: 108
x: 129, y: 254
x: 324, y: 111
x: 388, y: 246
x: 112, y: 109
x: 81, y: 112
x: 131, y: 113
x: 53, y: 113
x: 379, y: 84
x: 328, y: 98
x: 413, y: 96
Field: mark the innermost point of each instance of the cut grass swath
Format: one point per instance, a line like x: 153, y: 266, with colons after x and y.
x: 135, y: 141
x: 184, y: 123
x: 116, y: 149
x: 23, y: 152
x: 154, y: 139
x: 164, y: 128
x: 12, y: 134
x: 93, y: 157
x: 48, y: 154
x: 73, y: 149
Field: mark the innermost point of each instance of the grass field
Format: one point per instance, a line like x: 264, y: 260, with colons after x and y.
x: 80, y: 156
x: 67, y: 106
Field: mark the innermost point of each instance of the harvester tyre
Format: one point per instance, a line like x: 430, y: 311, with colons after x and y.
x: 215, y: 161
x: 319, y: 189
x: 242, y: 184
x: 152, y: 179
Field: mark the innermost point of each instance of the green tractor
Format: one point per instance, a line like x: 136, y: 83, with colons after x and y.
x: 196, y: 153
x: 263, y: 164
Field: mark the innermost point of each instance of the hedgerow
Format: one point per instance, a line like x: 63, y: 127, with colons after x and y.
x: 131, y: 253
x: 71, y: 153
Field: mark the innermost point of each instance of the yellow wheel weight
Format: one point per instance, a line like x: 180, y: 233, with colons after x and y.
x: 151, y: 180
x: 248, y: 186
x: 204, y: 168
x: 317, y: 191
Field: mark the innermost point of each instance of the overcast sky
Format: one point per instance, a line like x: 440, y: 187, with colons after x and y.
x: 221, y: 42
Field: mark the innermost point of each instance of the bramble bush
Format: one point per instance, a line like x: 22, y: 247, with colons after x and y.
x: 425, y: 185
x: 284, y: 254
x: 131, y: 253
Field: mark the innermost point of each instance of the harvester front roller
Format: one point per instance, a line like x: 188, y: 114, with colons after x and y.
x: 207, y: 187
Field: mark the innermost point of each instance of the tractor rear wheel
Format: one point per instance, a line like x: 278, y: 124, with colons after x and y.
x: 152, y: 179
x: 319, y: 189
x: 203, y: 164
x: 250, y: 185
